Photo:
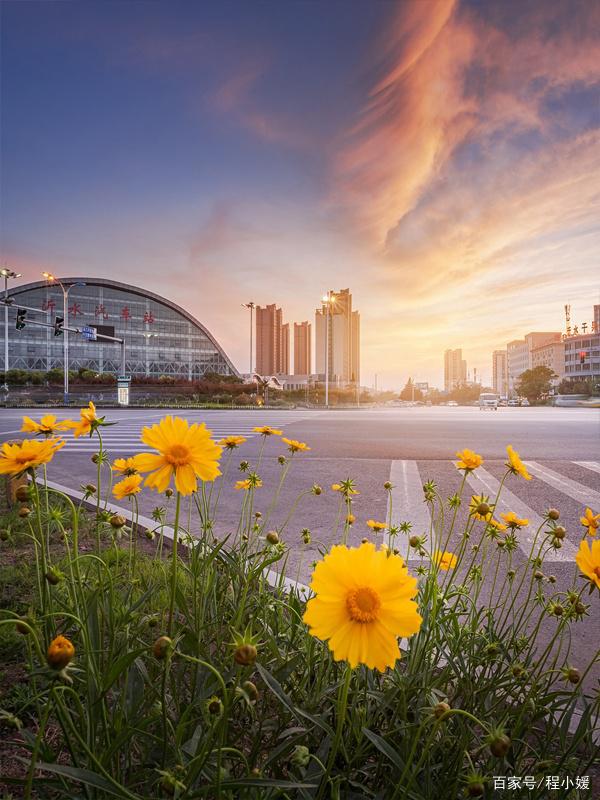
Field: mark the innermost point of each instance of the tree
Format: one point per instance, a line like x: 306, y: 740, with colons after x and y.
x: 534, y: 384
x: 410, y: 392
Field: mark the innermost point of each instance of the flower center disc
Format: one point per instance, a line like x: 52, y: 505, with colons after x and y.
x: 363, y: 604
x: 178, y: 455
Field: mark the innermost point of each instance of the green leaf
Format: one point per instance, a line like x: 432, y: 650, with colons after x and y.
x: 384, y: 747
x: 89, y: 778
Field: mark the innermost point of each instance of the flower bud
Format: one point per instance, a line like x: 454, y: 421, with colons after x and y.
x: 554, y: 514
x: 24, y: 511
x: 557, y: 610
x: 475, y: 789
x: 169, y: 492
x: 306, y: 536
x: 364, y: 541
x: 350, y: 519
x: 281, y: 460
x: 559, y: 532
x: 387, y: 486
x: 54, y: 576
x: 22, y: 627
x: 300, y: 756
x: 511, y: 574
x: 60, y: 652
x: 215, y: 707
x: 500, y: 745
x: 90, y: 488
x: 316, y: 489
x: 440, y: 709
x: 257, y: 514
x: 245, y: 655
x: 414, y: 541
x: 272, y: 537
x: 573, y: 675
x: 95, y: 458
x: 4, y: 535
x: 23, y: 493
x: 117, y: 521
x: 162, y: 647
x: 551, y: 578
x: 251, y: 690
x: 149, y: 534
x: 539, y: 576
x: 580, y: 607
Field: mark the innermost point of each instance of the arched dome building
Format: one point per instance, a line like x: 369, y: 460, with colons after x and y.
x: 161, y: 338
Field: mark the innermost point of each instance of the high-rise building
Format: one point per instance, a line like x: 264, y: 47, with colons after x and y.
x: 302, y: 348
x: 272, y: 341
x: 500, y: 372
x: 455, y: 369
x: 284, y: 366
x: 344, y: 338
x: 519, y: 354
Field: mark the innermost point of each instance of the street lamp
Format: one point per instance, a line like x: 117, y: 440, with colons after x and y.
x: 251, y: 306
x: 6, y: 274
x: 328, y: 301
x: 53, y: 279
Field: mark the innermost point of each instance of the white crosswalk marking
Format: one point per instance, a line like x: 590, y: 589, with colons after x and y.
x: 124, y: 437
x: 484, y: 483
x: 577, y: 491
x: 407, y: 503
x: 593, y: 465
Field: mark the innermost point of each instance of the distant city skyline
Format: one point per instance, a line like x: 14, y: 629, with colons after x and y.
x: 441, y: 158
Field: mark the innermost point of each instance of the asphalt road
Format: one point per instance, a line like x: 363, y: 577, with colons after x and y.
x: 404, y: 445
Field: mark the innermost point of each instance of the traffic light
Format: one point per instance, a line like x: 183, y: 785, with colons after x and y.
x: 20, y: 323
x: 58, y: 325
x: 582, y: 355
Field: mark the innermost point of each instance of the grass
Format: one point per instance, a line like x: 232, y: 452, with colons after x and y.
x: 240, y: 700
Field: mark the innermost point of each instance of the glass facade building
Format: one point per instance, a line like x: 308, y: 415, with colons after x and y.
x: 161, y: 338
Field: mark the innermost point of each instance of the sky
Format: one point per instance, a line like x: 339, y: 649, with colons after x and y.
x: 441, y: 158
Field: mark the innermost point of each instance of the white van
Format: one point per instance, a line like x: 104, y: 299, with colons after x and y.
x: 488, y: 400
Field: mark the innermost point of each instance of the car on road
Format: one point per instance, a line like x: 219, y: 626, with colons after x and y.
x: 513, y: 402
x: 451, y: 403
x: 488, y: 400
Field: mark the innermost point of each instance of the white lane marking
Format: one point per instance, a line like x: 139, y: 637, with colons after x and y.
x: 408, y: 504
x: 593, y: 465
x: 483, y: 482
x: 577, y: 491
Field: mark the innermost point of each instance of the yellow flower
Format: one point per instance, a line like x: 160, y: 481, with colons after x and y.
x: 588, y: 561
x: 31, y: 453
x: 294, y: 446
x: 127, y: 487
x: 60, y: 652
x: 468, y: 460
x: 87, y: 422
x: 376, y: 526
x: 344, y: 489
x: 47, y: 426
x: 265, y: 430
x: 444, y: 560
x: 494, y: 523
x: 125, y: 466
x: 248, y: 484
x: 363, y: 603
x: 515, y: 464
x: 350, y: 519
x: 590, y: 521
x: 513, y: 521
x: 231, y: 442
x: 185, y: 452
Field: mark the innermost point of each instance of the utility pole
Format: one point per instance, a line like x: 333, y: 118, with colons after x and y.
x: 6, y: 274
x: 53, y: 279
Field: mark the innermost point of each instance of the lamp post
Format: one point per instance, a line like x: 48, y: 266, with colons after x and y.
x: 6, y: 274
x: 251, y: 306
x: 53, y: 279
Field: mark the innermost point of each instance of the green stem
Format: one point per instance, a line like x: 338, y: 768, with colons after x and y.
x: 174, y: 564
